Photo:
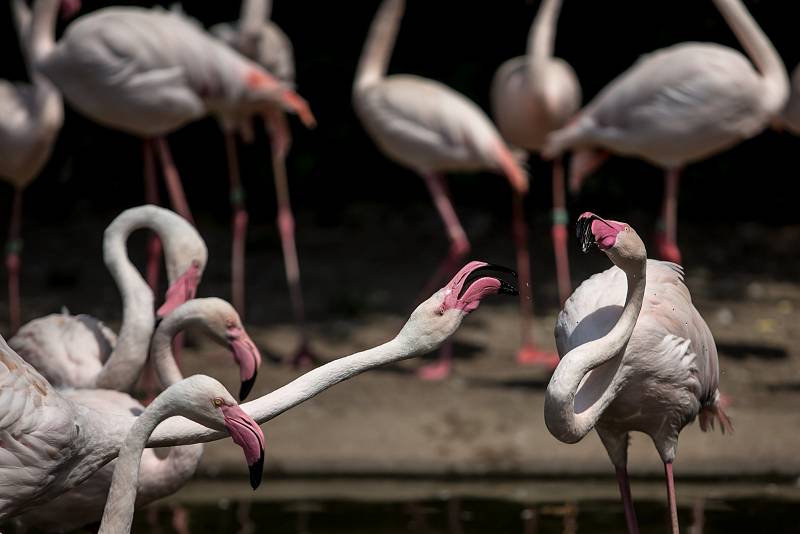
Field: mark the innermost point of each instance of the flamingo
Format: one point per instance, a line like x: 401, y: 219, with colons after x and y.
x: 261, y: 40
x: 149, y: 72
x: 31, y: 115
x: 790, y: 117
x: 159, y: 477
x: 77, y: 351
x: 635, y: 356
x: 53, y: 444
x: 531, y: 96
x: 679, y: 105
x: 201, y: 399
x: 432, y: 129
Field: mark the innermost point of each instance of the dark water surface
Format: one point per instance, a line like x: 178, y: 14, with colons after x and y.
x: 462, y: 516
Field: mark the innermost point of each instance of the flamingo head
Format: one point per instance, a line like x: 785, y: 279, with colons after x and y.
x: 617, y: 239
x: 437, y: 318
x: 69, y: 8
x: 184, y: 288
x: 264, y: 92
x: 206, y: 401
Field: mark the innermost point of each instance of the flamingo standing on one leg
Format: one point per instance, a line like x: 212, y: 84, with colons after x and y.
x: 432, y: 129
x: 149, y: 72
x: 678, y: 105
x: 533, y: 95
x: 159, y: 477
x: 76, y: 351
x: 635, y: 356
x: 31, y: 115
x: 201, y: 399
x: 264, y: 42
x: 42, y: 421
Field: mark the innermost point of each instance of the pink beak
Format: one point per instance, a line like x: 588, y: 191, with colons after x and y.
x: 246, y: 433
x: 475, y: 281
x: 247, y: 356
x: 184, y: 288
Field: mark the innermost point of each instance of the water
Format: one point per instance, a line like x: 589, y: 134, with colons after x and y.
x: 464, y: 516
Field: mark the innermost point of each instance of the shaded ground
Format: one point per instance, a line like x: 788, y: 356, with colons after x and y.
x: 360, y: 274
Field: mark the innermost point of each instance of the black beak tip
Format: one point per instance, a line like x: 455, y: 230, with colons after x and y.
x: 247, y: 386
x: 257, y: 471
x: 584, y: 233
x: 504, y: 275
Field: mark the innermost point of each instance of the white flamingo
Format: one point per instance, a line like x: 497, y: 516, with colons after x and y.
x: 790, y: 117
x: 533, y: 95
x: 635, y: 356
x: 52, y: 444
x: 149, y: 72
x: 159, y: 476
x: 199, y: 398
x: 432, y: 129
x: 261, y: 40
x: 76, y: 351
x: 678, y: 105
x: 31, y: 115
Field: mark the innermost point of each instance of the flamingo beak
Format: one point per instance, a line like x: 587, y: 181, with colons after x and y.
x: 246, y: 433
x: 247, y: 356
x: 184, y: 288
x: 474, y: 282
x: 594, y: 230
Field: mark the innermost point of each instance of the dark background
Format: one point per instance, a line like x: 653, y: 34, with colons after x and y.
x: 96, y: 171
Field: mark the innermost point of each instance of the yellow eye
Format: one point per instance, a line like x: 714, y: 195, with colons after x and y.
x: 218, y: 402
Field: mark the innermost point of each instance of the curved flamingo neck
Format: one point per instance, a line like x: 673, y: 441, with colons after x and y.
x: 254, y: 14
x: 378, y: 47
x: 188, y: 314
x: 36, y: 33
x: 181, y: 431
x: 541, y: 39
x: 761, y: 52
x: 560, y: 414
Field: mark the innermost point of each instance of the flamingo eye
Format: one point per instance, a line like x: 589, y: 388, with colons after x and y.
x: 230, y: 323
x: 218, y: 402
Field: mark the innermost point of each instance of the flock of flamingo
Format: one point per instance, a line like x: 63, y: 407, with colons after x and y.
x: 634, y: 354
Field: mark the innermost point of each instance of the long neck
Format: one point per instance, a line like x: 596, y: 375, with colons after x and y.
x: 541, y: 38
x: 161, y: 346
x: 761, y: 52
x: 118, y: 513
x: 138, y: 321
x: 254, y: 14
x: 181, y: 431
x: 43, y: 28
x: 22, y: 22
x: 36, y: 40
x: 559, y: 404
x: 377, y: 50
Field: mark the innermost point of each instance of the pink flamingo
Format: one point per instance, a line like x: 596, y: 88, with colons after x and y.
x: 149, y: 72
x: 261, y: 40
x: 678, y: 105
x: 41, y: 420
x: 432, y: 129
x: 635, y: 356
x: 77, y: 351
x: 201, y: 399
x: 159, y: 477
x: 533, y: 95
x: 31, y: 115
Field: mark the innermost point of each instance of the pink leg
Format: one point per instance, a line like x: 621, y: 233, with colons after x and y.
x: 559, y: 231
x: 280, y: 141
x: 459, y: 248
x: 151, y: 197
x: 627, y: 501
x: 240, y: 218
x: 13, y: 261
x: 673, y: 505
x: 180, y: 519
x: 666, y: 235
x: 528, y: 353
x: 174, y: 188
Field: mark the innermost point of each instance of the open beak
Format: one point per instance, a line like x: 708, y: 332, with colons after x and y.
x: 184, y: 288
x: 477, y: 280
x: 594, y: 230
x: 246, y: 433
x: 247, y: 357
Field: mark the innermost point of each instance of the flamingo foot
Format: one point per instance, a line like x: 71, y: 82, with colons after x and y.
x: 667, y: 250
x: 528, y: 354
x: 304, y: 357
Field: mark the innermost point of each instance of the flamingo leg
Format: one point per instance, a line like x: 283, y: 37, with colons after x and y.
x: 459, y: 247
x: 627, y: 502
x: 673, y: 505
x: 559, y: 232
x: 13, y: 261
x: 280, y: 141
x: 151, y: 197
x: 667, y: 233
x: 528, y: 353
x: 240, y: 219
x: 174, y: 188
